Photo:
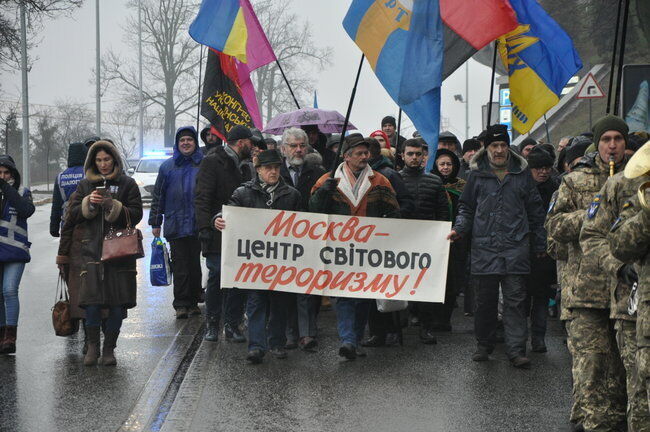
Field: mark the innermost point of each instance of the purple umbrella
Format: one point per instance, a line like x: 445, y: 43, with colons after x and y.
x: 327, y: 121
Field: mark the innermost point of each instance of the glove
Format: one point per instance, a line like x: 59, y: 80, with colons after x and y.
x: 627, y: 275
x: 330, y: 185
x: 54, y: 233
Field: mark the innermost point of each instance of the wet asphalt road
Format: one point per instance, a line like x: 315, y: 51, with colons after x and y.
x: 45, y: 387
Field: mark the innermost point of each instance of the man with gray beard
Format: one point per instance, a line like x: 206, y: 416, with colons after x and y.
x: 301, y: 322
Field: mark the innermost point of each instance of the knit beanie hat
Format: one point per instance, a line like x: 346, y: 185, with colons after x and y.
x: 609, y: 123
x: 538, y: 158
x: 389, y: 120
x: 471, y: 144
x: 495, y: 133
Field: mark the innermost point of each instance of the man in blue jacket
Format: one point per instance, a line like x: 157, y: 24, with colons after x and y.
x: 172, y: 201
x: 501, y: 210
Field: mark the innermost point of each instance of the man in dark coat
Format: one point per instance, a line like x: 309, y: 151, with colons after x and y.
x: 296, y: 172
x: 65, y: 185
x: 318, y: 141
x: 267, y: 191
x: 209, y: 139
x: 218, y: 177
x: 172, y: 201
x: 543, y: 272
x: 470, y: 147
x: 502, y: 211
x: 431, y: 203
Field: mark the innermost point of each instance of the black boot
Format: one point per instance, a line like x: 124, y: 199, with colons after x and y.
x: 108, y: 354
x: 211, y: 329
x: 427, y: 337
x: 233, y: 334
x: 92, y: 333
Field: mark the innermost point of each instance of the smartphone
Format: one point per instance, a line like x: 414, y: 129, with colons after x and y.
x: 101, y: 189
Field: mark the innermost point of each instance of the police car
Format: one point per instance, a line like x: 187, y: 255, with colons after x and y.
x: 146, y: 171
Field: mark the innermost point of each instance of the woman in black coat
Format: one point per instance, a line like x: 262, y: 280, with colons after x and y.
x: 106, y: 198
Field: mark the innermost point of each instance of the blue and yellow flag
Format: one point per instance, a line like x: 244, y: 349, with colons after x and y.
x: 540, y: 59
x: 402, y: 40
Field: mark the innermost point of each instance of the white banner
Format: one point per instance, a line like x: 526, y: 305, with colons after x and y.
x: 331, y: 255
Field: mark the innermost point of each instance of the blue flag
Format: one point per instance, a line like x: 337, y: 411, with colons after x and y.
x: 404, y: 45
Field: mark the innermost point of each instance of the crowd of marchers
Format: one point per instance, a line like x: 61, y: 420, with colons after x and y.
x: 538, y: 230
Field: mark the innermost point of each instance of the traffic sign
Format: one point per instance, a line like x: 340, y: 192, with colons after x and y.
x: 590, y: 89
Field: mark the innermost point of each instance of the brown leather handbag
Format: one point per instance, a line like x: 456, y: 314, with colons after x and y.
x: 61, y: 321
x: 123, y: 243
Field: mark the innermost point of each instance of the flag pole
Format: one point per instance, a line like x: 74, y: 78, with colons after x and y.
x: 613, y: 66
x: 200, y: 92
x: 288, y: 85
x: 347, y: 117
x: 399, y: 127
x: 494, y: 71
x: 621, y: 61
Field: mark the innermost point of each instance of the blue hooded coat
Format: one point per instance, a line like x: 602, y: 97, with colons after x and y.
x: 173, y: 195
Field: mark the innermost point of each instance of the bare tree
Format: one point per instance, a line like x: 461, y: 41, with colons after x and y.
x: 170, y: 61
x: 10, y: 24
x: 294, y: 47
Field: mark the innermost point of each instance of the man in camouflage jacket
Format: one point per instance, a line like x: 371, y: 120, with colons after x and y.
x: 629, y: 241
x: 598, y: 374
x: 603, y: 270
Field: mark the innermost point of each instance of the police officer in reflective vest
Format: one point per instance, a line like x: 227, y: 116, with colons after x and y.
x: 65, y: 185
x: 15, y: 207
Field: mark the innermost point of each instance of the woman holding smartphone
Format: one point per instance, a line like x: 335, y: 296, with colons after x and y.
x: 15, y: 207
x: 103, y: 199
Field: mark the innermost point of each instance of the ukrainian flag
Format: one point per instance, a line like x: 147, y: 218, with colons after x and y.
x: 540, y: 59
x: 402, y: 40
x: 232, y: 28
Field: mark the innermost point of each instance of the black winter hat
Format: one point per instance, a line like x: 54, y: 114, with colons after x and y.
x: 609, y: 123
x: 528, y: 141
x: 240, y: 132
x: 538, y: 158
x: 77, y: 154
x: 495, y: 133
x: 576, y: 150
x: 471, y: 144
x: 389, y: 120
x: 268, y: 157
x: 549, y: 149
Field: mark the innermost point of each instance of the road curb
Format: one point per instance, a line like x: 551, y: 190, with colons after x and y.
x: 186, y: 404
x: 154, y: 391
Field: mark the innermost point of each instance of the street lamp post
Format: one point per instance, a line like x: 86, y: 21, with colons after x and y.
x: 23, y: 64
x: 98, y: 95
x: 141, y: 119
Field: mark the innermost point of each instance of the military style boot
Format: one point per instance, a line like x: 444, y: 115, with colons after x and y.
x: 8, y: 344
x: 92, y: 333
x: 108, y: 355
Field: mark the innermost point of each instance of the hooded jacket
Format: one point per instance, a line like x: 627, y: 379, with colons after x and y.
x: 453, y: 184
x: 501, y: 217
x: 65, y: 185
x: 111, y: 283
x: 15, y: 207
x: 173, y: 194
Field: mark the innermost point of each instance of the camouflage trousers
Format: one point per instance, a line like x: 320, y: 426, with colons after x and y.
x: 598, y: 372
x: 577, y: 412
x: 643, y: 344
x: 638, y: 416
